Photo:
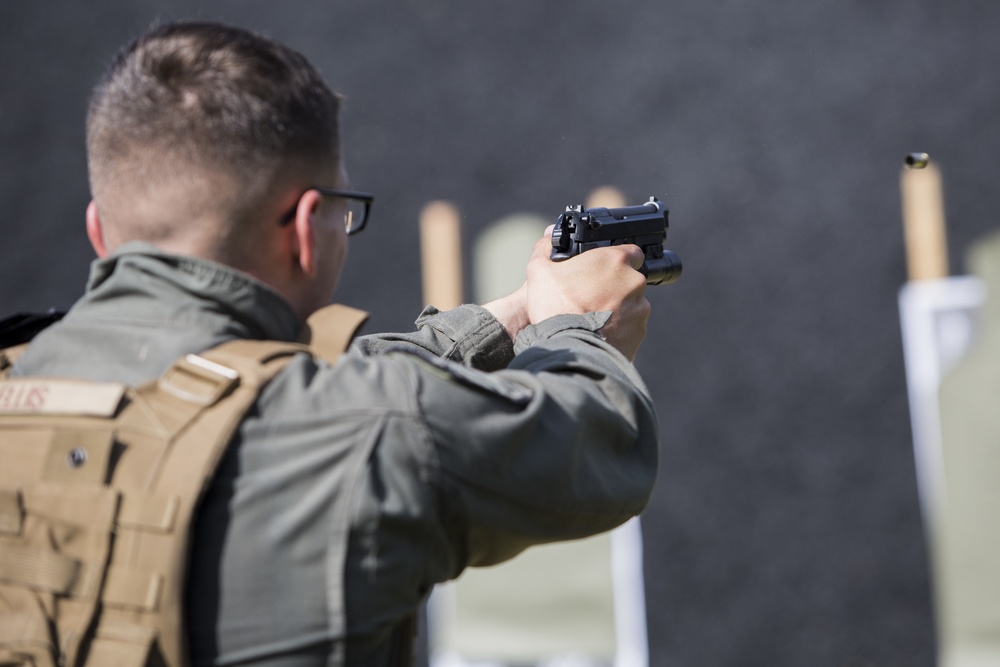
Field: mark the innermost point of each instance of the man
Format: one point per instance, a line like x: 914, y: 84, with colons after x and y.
x: 350, y: 489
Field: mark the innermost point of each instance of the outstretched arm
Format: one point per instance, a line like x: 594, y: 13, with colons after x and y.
x: 602, y: 280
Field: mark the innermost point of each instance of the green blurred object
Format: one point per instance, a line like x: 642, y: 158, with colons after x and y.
x: 967, y: 544
x: 550, y: 601
x: 501, y: 253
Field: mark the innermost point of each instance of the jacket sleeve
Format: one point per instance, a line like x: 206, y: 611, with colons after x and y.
x: 469, y: 335
x: 561, y: 444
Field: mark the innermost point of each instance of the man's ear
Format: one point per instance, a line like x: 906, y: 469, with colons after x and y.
x: 305, y: 231
x: 95, y: 232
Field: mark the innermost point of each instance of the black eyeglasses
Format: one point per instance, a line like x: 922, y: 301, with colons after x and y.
x: 359, y: 205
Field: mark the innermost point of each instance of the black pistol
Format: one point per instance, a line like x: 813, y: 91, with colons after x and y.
x: 579, y: 229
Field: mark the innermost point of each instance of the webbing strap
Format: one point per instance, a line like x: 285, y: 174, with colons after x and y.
x: 57, y: 573
x: 131, y: 587
x: 189, y: 386
x: 104, y: 652
x: 166, y: 406
x: 11, y: 511
x: 31, y: 655
x: 329, y: 330
x: 148, y: 512
x: 46, y: 570
x: 121, y: 643
x: 198, y: 381
x: 193, y: 388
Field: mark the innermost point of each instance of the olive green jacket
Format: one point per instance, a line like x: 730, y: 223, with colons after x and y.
x: 350, y: 490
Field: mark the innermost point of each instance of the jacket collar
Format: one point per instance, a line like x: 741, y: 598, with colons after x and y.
x: 155, y: 285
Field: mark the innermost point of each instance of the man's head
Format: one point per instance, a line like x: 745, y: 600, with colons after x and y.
x: 200, y: 135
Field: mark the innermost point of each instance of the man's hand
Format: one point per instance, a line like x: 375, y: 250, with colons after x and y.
x: 597, y: 280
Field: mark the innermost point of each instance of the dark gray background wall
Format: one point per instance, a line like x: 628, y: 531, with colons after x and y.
x: 785, y: 529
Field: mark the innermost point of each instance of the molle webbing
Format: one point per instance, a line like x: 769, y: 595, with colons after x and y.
x: 96, y: 507
x: 98, y: 489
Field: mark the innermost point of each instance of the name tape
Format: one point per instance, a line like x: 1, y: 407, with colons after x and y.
x: 27, y: 396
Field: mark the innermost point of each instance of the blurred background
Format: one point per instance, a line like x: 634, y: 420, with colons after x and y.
x: 785, y: 528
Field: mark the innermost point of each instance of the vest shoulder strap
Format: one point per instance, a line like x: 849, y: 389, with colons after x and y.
x: 329, y: 330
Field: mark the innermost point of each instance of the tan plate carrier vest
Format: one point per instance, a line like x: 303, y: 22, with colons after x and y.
x: 98, y: 487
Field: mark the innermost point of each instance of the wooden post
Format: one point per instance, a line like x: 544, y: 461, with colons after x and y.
x: 923, y: 218
x: 441, y: 255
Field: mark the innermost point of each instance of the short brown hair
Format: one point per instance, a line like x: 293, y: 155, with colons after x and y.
x: 212, y: 97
